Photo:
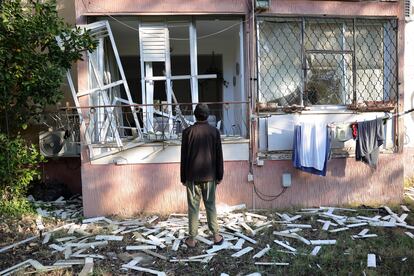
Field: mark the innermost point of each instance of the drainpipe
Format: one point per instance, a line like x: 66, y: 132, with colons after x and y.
x: 252, y: 98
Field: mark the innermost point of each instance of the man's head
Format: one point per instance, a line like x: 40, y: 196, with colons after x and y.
x: 201, y: 112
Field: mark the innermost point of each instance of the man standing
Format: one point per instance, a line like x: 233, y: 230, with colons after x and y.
x: 201, y: 171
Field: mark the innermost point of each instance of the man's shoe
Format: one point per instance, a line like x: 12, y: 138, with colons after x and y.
x: 190, y: 244
x: 220, y: 242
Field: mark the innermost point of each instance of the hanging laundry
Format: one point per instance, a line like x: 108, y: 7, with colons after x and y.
x: 342, y: 132
x: 354, y: 127
x: 370, y: 138
x: 311, y: 147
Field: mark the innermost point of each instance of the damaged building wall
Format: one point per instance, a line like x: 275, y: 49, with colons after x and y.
x: 127, y: 189
x: 142, y: 188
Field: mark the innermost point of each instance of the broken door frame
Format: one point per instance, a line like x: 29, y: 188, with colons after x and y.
x: 101, y: 30
x: 153, y: 50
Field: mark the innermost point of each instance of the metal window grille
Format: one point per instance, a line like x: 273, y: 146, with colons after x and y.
x: 327, y: 61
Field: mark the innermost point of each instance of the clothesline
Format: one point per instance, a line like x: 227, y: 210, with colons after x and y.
x: 401, y: 113
x: 387, y: 117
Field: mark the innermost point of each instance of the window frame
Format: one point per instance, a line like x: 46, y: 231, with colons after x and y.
x: 389, y: 88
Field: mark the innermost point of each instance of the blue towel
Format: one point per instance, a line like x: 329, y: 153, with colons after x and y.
x: 299, y: 150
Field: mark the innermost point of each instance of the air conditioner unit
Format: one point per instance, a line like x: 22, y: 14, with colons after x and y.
x: 58, y: 143
x: 408, y: 10
x: 262, y: 4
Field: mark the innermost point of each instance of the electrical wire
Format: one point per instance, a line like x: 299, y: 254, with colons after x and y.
x: 263, y: 196
x: 177, y: 38
x: 184, y: 39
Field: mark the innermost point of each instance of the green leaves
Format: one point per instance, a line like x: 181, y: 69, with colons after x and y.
x: 18, y: 166
x: 31, y: 62
x: 32, y: 67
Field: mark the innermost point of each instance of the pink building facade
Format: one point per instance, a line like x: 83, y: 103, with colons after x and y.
x: 145, y: 177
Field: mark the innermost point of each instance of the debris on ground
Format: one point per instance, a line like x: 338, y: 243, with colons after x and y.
x: 156, y: 244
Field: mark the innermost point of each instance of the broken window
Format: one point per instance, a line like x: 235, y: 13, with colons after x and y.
x: 103, y: 122
x: 147, y: 75
x: 314, y: 61
x: 183, y: 61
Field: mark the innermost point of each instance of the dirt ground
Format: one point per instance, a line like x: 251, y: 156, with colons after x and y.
x: 392, y: 246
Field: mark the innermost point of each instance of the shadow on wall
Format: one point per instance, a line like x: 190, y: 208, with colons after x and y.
x: 130, y: 189
x: 143, y: 188
x: 358, y: 185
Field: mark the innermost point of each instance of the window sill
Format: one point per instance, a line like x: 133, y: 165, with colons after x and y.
x: 336, y: 154
x: 326, y: 109
x: 234, y: 149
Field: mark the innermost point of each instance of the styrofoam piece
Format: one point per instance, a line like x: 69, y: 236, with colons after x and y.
x: 371, y: 260
x: 87, y: 245
x: 239, y: 244
x: 368, y: 218
x: 204, y: 240
x: 356, y: 225
x: 142, y: 269
x: 338, y: 229
x: 392, y: 214
x: 4, y: 249
x: 109, y: 238
x: 140, y: 247
x: 255, y: 215
x: 57, y: 247
x: 299, y: 225
x: 10, y: 270
x: 176, y: 244
x: 288, y: 247
x: 262, y: 252
x: 403, y: 217
x: 326, y: 225
x: 411, y: 235
x: 69, y: 262
x: 217, y: 248
x: 155, y: 254
x: 363, y: 232
x: 315, y: 250
x: 88, y: 267
x: 382, y: 224
x: 364, y: 236
x: 240, y: 235
x: 46, y: 238
x: 92, y: 220
x: 248, y: 228
x: 322, y: 242
x: 405, y: 225
x: 290, y: 231
x: 65, y: 239
x: 265, y: 263
x: 151, y: 242
x: 242, y: 252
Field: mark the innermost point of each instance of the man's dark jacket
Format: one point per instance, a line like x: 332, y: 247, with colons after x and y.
x: 201, y: 153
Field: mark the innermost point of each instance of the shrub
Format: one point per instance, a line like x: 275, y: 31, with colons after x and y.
x: 19, y: 164
x: 32, y: 68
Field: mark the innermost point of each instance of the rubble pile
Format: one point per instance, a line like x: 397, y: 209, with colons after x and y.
x: 147, y: 240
